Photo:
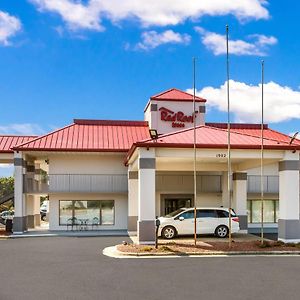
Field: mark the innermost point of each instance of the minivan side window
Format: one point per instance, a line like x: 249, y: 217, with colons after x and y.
x: 187, y: 215
x: 206, y: 213
x: 222, y: 213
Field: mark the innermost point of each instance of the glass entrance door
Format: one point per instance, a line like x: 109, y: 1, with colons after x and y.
x: 176, y: 203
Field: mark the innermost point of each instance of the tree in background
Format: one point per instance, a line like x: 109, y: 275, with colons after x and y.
x: 6, y: 186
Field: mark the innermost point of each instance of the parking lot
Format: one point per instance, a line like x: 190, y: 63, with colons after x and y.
x: 74, y: 268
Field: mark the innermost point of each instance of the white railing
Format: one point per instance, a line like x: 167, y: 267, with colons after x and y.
x: 86, y: 183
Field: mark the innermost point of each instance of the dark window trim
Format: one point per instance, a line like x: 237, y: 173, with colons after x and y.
x: 274, y: 210
x: 100, y: 211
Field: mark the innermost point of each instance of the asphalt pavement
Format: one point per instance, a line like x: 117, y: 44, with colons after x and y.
x: 74, y: 268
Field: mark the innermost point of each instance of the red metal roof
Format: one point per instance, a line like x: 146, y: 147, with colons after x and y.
x: 176, y: 95
x: 255, y: 130
x: 7, y: 142
x: 91, y: 136
x: 214, y: 137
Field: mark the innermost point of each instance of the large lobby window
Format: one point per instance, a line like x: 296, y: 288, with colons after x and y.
x: 99, y: 211
x: 271, y: 211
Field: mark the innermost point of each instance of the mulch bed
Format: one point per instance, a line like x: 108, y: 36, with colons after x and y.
x: 4, y: 233
x: 211, y: 247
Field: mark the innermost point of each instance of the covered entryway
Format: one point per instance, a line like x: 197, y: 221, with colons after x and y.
x: 165, y: 166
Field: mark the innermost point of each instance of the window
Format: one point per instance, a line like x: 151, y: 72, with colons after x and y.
x: 65, y: 211
x: 222, y: 214
x: 187, y: 215
x: 206, y: 213
x: 271, y: 211
x: 103, y: 212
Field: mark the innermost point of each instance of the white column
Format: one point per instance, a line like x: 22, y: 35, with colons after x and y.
x: 240, y: 199
x: 132, y: 201
x: 20, y: 220
x: 146, y: 196
x: 289, y: 220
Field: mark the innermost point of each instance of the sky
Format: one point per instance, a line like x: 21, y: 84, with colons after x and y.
x: 103, y: 59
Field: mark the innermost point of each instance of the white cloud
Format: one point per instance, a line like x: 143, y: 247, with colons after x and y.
x: 257, y: 44
x: 9, y: 26
x: 89, y: 14
x: 281, y: 103
x: 152, y: 39
x: 22, y: 129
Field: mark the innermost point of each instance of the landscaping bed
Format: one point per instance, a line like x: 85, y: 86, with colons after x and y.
x: 209, y: 248
x: 3, y: 232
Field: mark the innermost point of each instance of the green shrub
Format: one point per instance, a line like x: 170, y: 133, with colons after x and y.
x: 146, y: 249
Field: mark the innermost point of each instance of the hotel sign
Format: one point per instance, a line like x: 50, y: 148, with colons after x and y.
x: 178, y: 119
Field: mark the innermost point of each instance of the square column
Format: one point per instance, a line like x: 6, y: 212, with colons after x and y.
x: 33, y: 211
x: 146, y: 196
x: 289, y: 219
x: 240, y: 199
x: 132, y: 200
x: 20, y: 219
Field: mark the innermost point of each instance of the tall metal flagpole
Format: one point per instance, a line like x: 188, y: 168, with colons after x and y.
x: 228, y: 136
x: 195, y: 153
x: 262, y: 152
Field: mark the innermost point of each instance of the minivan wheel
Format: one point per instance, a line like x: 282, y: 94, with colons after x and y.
x: 169, y: 232
x: 222, y: 231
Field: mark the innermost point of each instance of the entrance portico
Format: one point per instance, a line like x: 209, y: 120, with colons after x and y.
x: 166, y: 169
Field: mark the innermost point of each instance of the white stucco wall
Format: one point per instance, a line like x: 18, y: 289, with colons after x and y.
x: 120, y: 209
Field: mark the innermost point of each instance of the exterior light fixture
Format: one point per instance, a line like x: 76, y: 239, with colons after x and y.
x: 153, y: 134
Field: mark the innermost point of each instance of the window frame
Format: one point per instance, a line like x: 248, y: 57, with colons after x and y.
x: 250, y: 201
x: 100, y: 211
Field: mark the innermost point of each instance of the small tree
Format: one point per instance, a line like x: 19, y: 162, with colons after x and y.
x: 6, y: 185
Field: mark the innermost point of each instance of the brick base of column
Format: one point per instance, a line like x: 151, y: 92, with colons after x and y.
x: 132, y: 223
x: 20, y: 224
x: 37, y: 220
x: 30, y: 221
x: 146, y: 232
x: 243, y: 223
x: 289, y: 231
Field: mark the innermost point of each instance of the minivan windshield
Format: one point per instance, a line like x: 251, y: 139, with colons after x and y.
x: 175, y: 213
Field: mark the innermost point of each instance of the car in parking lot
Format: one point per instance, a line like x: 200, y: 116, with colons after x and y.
x: 213, y: 220
x: 6, y: 215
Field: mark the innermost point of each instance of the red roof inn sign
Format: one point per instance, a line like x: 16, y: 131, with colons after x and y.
x: 178, y: 119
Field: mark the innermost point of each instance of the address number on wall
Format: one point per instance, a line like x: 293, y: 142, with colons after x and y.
x: 221, y: 155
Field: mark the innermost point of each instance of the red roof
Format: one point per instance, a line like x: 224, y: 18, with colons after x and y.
x: 216, y: 137
x: 91, y: 136
x: 176, y: 95
x: 9, y: 141
x: 255, y: 130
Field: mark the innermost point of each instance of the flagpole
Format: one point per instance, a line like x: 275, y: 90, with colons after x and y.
x: 228, y: 136
x: 195, y: 153
x: 262, y: 152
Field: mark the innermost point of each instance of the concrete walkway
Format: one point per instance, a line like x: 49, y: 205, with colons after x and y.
x: 48, y: 233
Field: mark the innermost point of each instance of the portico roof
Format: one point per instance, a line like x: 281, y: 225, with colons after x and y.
x: 244, y: 136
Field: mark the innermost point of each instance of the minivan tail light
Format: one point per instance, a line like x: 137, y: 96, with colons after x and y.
x: 235, y: 219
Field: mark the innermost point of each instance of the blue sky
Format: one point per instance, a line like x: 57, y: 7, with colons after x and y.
x: 65, y: 59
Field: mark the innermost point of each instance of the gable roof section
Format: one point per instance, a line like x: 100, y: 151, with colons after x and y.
x: 7, y: 142
x: 91, y: 136
x: 255, y: 130
x: 216, y: 138
x: 176, y: 95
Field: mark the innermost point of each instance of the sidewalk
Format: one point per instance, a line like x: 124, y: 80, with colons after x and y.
x: 48, y: 233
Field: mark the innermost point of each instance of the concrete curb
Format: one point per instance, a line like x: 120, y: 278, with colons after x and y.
x: 114, y: 252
